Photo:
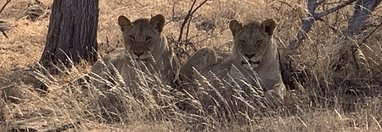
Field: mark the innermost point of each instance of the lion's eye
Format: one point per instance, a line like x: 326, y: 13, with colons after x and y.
x: 132, y: 37
x: 259, y: 41
x: 148, y: 38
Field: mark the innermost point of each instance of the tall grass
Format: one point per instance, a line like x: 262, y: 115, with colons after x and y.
x: 315, y: 100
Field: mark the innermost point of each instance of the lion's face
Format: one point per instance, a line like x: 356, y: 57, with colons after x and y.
x: 142, y: 36
x: 251, y: 42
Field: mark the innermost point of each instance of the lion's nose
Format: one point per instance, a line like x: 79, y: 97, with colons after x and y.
x: 138, y: 53
x: 249, y: 55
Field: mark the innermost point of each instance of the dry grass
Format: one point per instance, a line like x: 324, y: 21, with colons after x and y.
x: 315, y: 102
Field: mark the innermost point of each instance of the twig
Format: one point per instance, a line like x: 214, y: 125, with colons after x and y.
x: 188, y: 17
x: 3, y: 28
x: 188, y: 28
x: 173, y: 11
x: 375, y: 29
x: 182, y: 45
x: 6, y: 3
x: 189, y: 22
x: 185, y: 21
x: 312, y: 17
x: 331, y: 10
x: 6, y: 36
x: 199, y: 6
x: 1, y: 10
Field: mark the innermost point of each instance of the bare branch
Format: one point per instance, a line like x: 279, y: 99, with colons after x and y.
x: 306, y: 24
x: 6, y: 3
x: 306, y: 27
x: 331, y: 10
x: 312, y: 6
x: 189, y: 16
x: 188, y: 25
x: 186, y: 20
x: 312, y: 17
x: 199, y: 6
x: 375, y: 29
x: 362, y: 12
x: 6, y: 36
x: 2, y: 29
x: 350, y: 51
x: 181, y: 44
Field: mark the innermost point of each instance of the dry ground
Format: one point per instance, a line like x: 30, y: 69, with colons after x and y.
x: 314, y: 103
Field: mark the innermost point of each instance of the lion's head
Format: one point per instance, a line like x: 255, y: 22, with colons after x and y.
x: 251, y: 41
x: 142, y: 38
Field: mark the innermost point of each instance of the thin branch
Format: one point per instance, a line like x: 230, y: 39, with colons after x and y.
x: 199, y: 6
x: 185, y: 21
x: 334, y: 29
x: 188, y: 26
x: 6, y: 3
x: 375, y: 29
x: 188, y: 17
x: 6, y: 36
x: 4, y: 27
x: 1, y: 10
x: 173, y: 10
x: 331, y: 10
x: 308, y: 22
x: 312, y: 6
x: 306, y: 25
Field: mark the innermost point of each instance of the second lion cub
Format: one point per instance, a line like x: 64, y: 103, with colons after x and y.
x: 254, y: 55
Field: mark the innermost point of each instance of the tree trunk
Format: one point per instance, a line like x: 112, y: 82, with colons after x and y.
x: 359, y: 20
x: 72, y: 33
x: 348, y: 60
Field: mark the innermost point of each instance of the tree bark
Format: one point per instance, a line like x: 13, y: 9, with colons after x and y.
x: 358, y: 21
x: 348, y: 51
x: 72, y: 33
x: 312, y: 17
x: 347, y: 60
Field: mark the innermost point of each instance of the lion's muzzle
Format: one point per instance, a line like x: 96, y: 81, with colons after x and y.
x: 251, y: 61
x: 141, y: 56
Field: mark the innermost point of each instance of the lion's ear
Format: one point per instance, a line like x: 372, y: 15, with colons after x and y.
x: 269, y: 26
x: 124, y: 23
x: 235, y: 26
x: 158, y: 22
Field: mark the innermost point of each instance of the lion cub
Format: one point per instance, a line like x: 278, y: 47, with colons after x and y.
x: 146, y: 54
x: 253, y: 57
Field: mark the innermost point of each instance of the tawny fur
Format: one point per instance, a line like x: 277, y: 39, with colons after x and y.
x: 146, y: 54
x: 253, y: 57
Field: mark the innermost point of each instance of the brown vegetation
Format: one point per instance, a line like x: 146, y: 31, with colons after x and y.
x: 317, y: 99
